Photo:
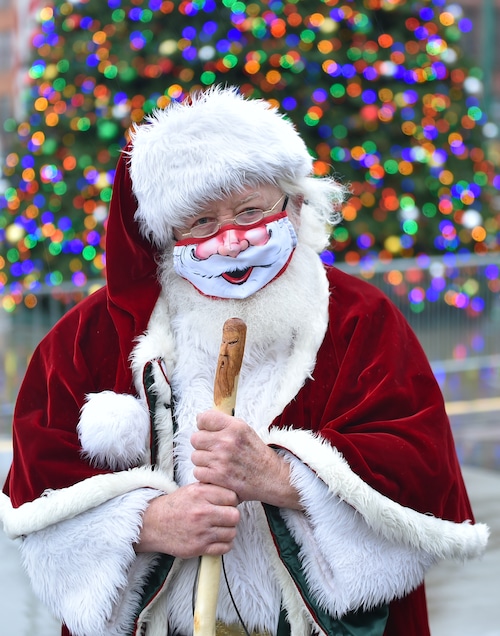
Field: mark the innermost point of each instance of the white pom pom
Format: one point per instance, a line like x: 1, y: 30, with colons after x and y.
x: 114, y: 430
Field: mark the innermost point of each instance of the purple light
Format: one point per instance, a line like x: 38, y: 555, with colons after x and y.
x: 370, y: 73
x: 137, y: 40
x: 190, y: 53
x: 348, y: 70
x: 189, y: 33
x: 426, y: 14
x: 477, y: 304
x: 417, y: 295
x: 432, y: 295
x: 320, y: 95
x: 28, y: 161
x: 411, y: 96
x: 438, y: 283
x: 120, y: 98
x: 79, y: 279
x: 93, y: 60
x: 465, y: 25
x: 369, y: 96
x: 461, y: 300
x: 289, y: 103
x: 327, y: 257
x: 86, y: 23
x: 492, y: 272
x: 430, y: 132
x: 135, y: 14
x: 421, y: 33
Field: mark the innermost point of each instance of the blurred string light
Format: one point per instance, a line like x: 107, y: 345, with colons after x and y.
x: 394, y: 110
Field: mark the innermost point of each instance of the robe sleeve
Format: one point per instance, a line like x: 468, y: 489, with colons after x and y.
x: 373, y: 458
x: 374, y: 398
x: 77, y: 357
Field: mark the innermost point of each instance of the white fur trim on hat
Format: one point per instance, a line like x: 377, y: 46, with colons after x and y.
x: 215, y: 143
x: 114, y: 430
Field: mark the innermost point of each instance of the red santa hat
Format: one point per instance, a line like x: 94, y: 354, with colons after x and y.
x: 214, y: 143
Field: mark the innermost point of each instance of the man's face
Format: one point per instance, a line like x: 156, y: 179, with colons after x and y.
x: 236, y: 245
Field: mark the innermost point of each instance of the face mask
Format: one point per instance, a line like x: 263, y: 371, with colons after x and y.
x: 261, y: 254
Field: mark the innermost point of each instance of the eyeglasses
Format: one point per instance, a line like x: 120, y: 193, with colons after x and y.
x: 209, y: 226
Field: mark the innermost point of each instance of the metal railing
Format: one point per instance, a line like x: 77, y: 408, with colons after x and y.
x: 451, y: 302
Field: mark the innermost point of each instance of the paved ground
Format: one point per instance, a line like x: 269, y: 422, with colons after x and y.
x: 463, y: 598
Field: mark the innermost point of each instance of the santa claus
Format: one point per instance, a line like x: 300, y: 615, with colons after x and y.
x: 333, y: 488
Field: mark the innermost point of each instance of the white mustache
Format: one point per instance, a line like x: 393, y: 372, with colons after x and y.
x: 253, y: 256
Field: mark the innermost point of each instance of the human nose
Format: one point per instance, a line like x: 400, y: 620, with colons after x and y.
x: 231, y: 243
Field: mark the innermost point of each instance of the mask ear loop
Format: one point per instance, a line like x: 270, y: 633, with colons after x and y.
x: 232, y: 599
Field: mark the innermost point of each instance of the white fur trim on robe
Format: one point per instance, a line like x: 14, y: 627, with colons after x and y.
x: 65, y: 503
x: 85, y: 569
x: 393, y: 546
x: 114, y: 430
x: 346, y: 564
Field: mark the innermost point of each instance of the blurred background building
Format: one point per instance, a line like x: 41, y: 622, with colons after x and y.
x: 17, y: 21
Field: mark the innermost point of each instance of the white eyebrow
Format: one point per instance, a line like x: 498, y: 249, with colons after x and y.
x: 248, y: 198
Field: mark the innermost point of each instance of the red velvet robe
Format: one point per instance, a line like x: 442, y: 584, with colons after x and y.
x: 373, y: 395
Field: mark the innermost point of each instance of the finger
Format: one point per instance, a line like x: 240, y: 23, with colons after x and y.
x: 213, y: 420
x: 218, y: 495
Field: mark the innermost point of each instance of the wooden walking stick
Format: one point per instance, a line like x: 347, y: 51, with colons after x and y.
x: 225, y: 385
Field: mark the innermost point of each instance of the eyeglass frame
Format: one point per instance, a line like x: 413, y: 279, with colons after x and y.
x: 265, y: 213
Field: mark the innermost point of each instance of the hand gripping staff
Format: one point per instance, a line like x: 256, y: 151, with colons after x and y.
x: 225, y: 385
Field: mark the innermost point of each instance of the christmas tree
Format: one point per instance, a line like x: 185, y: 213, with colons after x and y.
x: 379, y: 89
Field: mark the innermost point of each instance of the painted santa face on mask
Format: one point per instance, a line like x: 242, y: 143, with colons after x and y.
x: 237, y: 260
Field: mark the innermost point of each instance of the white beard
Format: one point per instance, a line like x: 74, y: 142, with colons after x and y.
x: 286, y: 323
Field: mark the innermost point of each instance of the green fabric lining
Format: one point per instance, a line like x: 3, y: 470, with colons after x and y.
x: 370, y: 623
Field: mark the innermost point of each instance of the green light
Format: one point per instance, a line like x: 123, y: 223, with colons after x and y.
x: 230, y: 61
x: 12, y: 255
x: 9, y: 125
x: 207, y: 77
x: 407, y: 202
x: 429, y: 210
x: 370, y: 147
x: 49, y: 147
x: 84, y: 161
x: 118, y: 15
x: 307, y: 36
x: 111, y: 71
x: 63, y: 66
x: 107, y: 129
x: 56, y: 278
x: 89, y: 253
x: 60, y: 188
x: 106, y: 194
x: 83, y: 124
x: 475, y: 113
x: 30, y: 241
x: 338, y: 154
x: 391, y: 166
x: 480, y: 178
x: 417, y: 308
x: 311, y: 119
x: 339, y: 131
x: 340, y: 234
x: 55, y: 249
x: 59, y: 84
x: 354, y: 54
x: 238, y: 7
x: 410, y: 227
x: 337, y: 90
